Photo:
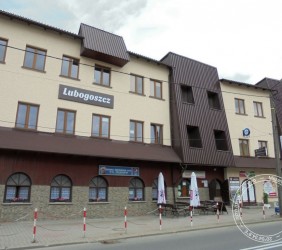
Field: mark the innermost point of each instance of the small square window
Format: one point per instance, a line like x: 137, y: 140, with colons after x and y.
x: 220, y: 140
x: 3, y: 49
x: 70, y: 67
x: 156, y: 89
x: 65, y: 121
x: 136, y: 84
x: 213, y: 100
x: 194, y: 137
x: 102, y: 76
x: 27, y: 116
x: 187, y: 94
x: 258, y: 111
x: 240, y: 106
x: 244, y: 147
x: 34, y: 58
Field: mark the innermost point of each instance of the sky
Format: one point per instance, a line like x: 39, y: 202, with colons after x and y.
x: 241, y: 38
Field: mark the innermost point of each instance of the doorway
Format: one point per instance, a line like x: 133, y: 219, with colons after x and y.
x: 248, y: 192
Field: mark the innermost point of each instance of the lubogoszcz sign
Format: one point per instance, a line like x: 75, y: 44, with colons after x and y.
x: 85, y: 96
x: 118, y: 170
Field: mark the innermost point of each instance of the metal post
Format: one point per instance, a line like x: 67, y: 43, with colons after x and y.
x: 277, y: 152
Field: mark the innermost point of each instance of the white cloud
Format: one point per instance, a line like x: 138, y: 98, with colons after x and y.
x: 241, y: 38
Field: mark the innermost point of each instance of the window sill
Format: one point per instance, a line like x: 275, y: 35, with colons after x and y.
x: 157, y: 98
x: 16, y: 203
x: 32, y: 69
x: 132, y: 202
x: 26, y: 129
x: 135, y: 93
x: 68, y: 77
x: 215, y: 109
x: 101, y: 85
x: 188, y: 103
x: 60, y: 203
x: 101, y: 138
x: 241, y: 114
x: 98, y: 203
x: 263, y: 117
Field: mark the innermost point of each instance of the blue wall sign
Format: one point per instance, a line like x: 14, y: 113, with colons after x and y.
x: 118, y: 170
x: 246, y: 132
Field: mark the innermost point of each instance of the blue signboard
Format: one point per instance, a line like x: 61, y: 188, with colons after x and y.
x: 118, y: 170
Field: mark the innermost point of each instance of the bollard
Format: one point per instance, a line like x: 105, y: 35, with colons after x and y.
x: 217, y: 212
x: 160, y: 212
x: 191, y: 216
x: 34, y: 226
x: 263, y: 210
x: 125, y: 219
x: 241, y: 210
x: 84, y: 222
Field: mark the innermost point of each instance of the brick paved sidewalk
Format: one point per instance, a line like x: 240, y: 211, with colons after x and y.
x: 16, y: 235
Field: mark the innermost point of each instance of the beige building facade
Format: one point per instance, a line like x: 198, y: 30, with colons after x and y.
x: 82, y: 126
x: 249, y: 117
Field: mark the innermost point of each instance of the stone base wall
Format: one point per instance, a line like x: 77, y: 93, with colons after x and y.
x: 117, y: 200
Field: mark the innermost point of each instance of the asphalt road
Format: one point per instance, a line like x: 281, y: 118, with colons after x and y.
x: 230, y: 238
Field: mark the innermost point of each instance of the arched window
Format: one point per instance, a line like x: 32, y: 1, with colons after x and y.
x: 155, y: 190
x: 98, y: 189
x: 17, y: 188
x: 183, y: 188
x: 60, y: 189
x: 136, y: 189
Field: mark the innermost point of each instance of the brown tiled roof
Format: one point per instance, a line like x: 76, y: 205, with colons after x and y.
x: 15, y: 139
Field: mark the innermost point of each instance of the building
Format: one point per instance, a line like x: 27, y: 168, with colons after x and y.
x: 199, y: 126
x: 249, y: 118
x: 86, y: 123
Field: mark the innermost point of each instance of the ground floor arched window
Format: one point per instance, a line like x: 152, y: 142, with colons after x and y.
x: 61, y: 188
x: 136, y: 189
x: 17, y: 188
x: 98, y: 189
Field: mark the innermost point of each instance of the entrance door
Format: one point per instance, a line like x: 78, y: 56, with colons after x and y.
x: 248, y: 192
x: 215, y: 189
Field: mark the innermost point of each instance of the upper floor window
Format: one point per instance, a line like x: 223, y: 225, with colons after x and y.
x: 17, y: 188
x: 60, y: 189
x: 65, y: 121
x: 34, y: 58
x: 263, y: 144
x: 3, y: 49
x: 194, y: 137
x: 240, y: 106
x: 220, y: 140
x: 98, y: 189
x: 244, y: 147
x: 27, y: 116
x: 258, y: 111
x: 156, y: 89
x: 136, y: 189
x: 156, y: 133
x: 70, y: 67
x: 136, y: 84
x: 187, y: 94
x: 102, y: 76
x: 101, y: 126
x: 136, y: 131
x: 213, y: 100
